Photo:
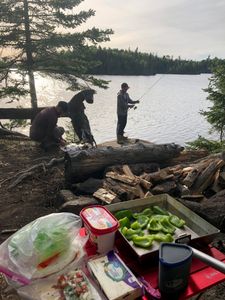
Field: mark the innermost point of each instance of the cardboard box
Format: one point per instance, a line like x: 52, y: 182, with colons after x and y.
x: 114, y: 278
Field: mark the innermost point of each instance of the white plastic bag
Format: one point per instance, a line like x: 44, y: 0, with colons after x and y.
x: 43, y: 247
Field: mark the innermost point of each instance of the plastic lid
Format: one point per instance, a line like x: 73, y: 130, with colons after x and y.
x: 174, y: 254
x: 99, y: 220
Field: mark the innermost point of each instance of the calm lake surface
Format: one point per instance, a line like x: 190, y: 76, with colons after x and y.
x: 168, y: 111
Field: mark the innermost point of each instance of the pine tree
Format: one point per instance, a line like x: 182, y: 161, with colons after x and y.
x: 45, y: 36
x: 216, y: 94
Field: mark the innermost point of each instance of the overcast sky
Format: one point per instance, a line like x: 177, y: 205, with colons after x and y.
x: 191, y: 29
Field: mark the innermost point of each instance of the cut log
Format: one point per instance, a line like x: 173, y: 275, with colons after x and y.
x: 133, y: 191
x: 145, y: 184
x: 190, y: 178
x: 127, y: 171
x: 164, y: 187
x: 106, y: 196
x: 221, y: 179
x: 216, y: 186
x: 161, y: 175
x: 206, y: 177
x: 193, y: 197
x: 140, y: 182
x: 82, y: 164
x: 148, y: 194
x: 194, y: 172
x: 183, y: 189
x: 123, y: 178
x: 110, y: 184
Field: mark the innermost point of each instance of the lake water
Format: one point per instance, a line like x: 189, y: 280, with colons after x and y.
x: 168, y: 111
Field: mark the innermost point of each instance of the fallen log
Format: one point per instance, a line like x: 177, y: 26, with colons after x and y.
x: 19, y: 113
x: 4, y: 132
x: 81, y: 164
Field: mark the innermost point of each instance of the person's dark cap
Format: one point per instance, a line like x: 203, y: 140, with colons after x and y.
x: 63, y: 105
x: 124, y: 85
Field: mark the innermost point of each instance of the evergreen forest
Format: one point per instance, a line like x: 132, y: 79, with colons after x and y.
x: 127, y: 62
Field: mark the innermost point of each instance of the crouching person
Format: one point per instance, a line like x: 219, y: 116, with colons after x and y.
x: 44, y: 127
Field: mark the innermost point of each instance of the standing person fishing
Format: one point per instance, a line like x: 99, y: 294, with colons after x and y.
x: 124, y: 102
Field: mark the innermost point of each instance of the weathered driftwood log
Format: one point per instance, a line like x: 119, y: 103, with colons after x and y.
x: 19, y: 113
x: 81, y: 164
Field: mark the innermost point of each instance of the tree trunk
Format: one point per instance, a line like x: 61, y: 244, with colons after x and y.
x: 81, y: 164
x: 28, y: 48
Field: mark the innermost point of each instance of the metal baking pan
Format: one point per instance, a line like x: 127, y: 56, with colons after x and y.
x: 199, y: 229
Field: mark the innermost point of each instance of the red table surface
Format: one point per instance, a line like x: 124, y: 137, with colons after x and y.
x: 201, y: 277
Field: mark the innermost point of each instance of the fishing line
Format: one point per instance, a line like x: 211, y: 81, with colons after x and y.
x: 147, y: 91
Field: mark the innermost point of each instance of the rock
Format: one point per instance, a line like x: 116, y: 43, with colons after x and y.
x: 75, y: 204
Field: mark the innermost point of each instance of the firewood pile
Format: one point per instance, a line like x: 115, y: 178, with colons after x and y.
x: 192, y: 182
x: 194, y: 178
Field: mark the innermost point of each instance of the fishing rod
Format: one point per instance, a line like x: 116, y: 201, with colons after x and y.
x: 147, y: 91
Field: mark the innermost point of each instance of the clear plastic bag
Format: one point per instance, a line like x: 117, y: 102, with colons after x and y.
x: 43, y: 247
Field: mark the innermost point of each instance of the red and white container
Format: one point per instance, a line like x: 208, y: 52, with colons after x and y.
x: 101, y: 226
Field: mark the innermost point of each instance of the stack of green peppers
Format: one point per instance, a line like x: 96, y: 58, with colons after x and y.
x: 160, y: 225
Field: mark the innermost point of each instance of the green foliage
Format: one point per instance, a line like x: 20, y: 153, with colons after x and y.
x: 216, y: 94
x: 45, y: 36
x: 205, y: 144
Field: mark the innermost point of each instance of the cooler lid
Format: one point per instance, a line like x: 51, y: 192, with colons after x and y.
x: 99, y: 220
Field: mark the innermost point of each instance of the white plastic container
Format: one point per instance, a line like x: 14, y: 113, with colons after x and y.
x: 101, y: 226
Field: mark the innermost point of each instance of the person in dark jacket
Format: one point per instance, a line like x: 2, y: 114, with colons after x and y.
x: 78, y: 117
x: 124, y: 102
x: 44, y: 127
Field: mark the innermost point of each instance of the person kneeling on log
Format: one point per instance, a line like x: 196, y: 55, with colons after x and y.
x: 123, y: 104
x: 44, y: 127
x: 78, y: 117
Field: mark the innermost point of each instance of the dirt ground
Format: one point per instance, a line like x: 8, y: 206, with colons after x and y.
x: 36, y: 195
x: 33, y: 197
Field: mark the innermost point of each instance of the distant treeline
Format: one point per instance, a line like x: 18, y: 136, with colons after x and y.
x: 126, y: 62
